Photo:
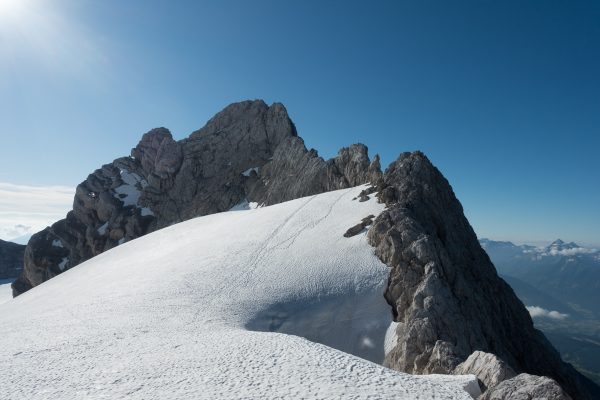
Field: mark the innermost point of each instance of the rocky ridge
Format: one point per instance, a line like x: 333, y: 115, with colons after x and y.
x: 248, y: 152
x: 444, y: 291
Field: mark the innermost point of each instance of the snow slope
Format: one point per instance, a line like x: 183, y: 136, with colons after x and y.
x: 5, y: 290
x: 186, y: 313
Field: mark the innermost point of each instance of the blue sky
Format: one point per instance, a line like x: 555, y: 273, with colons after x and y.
x: 504, y: 97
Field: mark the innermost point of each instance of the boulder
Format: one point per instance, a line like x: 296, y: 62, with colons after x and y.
x: 487, y: 367
x: 526, y: 387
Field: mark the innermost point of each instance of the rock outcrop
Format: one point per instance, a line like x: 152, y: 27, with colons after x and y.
x: 526, y: 387
x: 444, y: 291
x: 487, y: 367
x: 249, y: 152
x: 11, y: 259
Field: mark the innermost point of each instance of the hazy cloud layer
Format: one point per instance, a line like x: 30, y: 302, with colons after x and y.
x: 570, y: 252
x: 25, y: 210
x: 536, y: 311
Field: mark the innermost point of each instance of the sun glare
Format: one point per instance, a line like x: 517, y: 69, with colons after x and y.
x: 11, y: 7
x: 44, y: 36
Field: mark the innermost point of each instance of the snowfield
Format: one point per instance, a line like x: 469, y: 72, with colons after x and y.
x: 218, y: 307
x: 5, y: 290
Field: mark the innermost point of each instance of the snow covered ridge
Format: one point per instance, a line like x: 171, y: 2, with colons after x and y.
x: 201, y: 309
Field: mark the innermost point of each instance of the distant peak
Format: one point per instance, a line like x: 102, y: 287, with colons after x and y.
x: 559, y: 244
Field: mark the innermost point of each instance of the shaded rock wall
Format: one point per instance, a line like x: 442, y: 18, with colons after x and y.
x: 443, y: 289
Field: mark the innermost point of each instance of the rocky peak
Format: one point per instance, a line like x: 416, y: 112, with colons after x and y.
x: 247, y: 152
x: 295, y: 172
x: 253, y: 118
x: 444, y: 291
x: 158, y: 153
x: 559, y: 245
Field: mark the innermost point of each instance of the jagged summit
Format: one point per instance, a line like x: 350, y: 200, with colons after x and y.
x: 248, y: 152
x: 444, y: 291
x: 560, y: 245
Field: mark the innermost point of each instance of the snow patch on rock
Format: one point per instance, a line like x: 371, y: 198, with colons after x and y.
x: 129, y: 192
x: 5, y: 290
x: 245, y: 205
x: 249, y: 171
x: 102, y: 229
x: 63, y: 263
x: 391, y: 337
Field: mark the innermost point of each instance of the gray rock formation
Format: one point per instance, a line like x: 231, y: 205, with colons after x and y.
x: 105, y: 213
x: 358, y: 228
x: 247, y: 152
x: 526, y: 387
x: 443, y: 289
x: 487, y: 367
x: 11, y: 259
x: 305, y: 173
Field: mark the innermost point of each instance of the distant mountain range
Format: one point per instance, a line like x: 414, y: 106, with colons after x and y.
x: 560, y: 285
x: 566, y: 271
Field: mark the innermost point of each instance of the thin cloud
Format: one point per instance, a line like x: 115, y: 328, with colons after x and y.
x: 539, y: 312
x: 25, y: 210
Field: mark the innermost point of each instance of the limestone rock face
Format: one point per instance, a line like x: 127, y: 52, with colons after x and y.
x: 214, y: 159
x: 295, y: 172
x: 11, y: 259
x: 105, y: 214
x: 443, y: 289
x: 247, y: 152
x: 158, y: 154
x: 526, y: 387
x: 488, y: 368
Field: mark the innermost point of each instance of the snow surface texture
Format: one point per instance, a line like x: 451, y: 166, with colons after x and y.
x: 169, y: 315
x: 5, y: 293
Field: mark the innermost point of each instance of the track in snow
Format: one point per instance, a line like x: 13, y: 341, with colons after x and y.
x: 168, y: 316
